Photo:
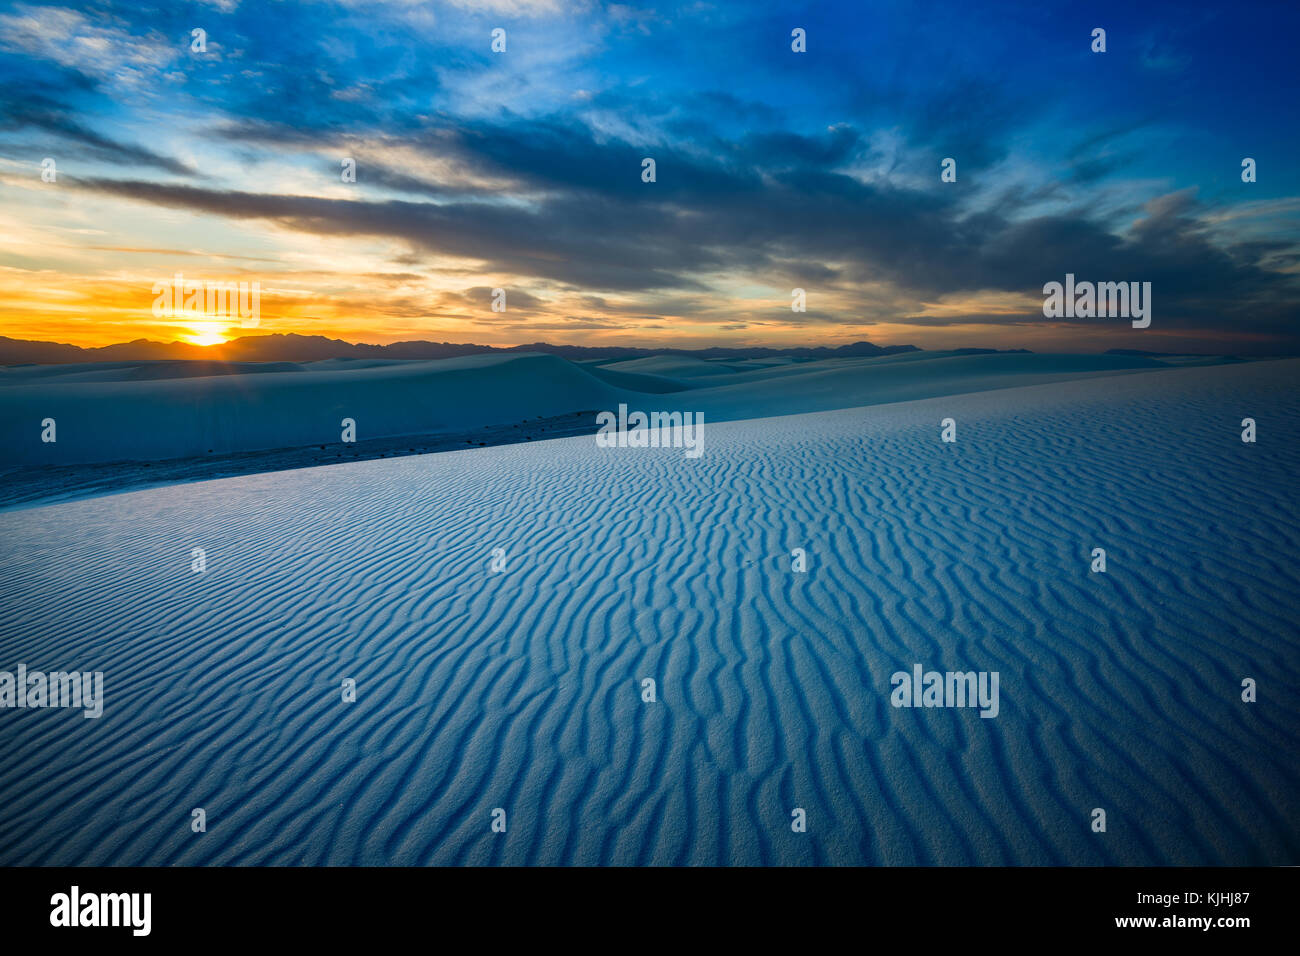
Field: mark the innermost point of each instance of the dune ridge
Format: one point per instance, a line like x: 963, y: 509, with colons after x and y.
x: 117, y: 412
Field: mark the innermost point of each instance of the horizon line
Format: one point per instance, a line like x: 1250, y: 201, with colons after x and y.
x: 560, y: 345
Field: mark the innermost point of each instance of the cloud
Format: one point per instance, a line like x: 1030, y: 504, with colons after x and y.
x: 72, y: 40
x: 524, y: 170
x: 775, y: 210
x: 25, y: 110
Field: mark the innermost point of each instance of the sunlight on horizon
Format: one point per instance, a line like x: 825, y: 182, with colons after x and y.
x: 207, y: 333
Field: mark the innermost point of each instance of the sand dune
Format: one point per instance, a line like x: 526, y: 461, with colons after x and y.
x: 185, y: 417
x: 521, y: 689
x: 114, y: 412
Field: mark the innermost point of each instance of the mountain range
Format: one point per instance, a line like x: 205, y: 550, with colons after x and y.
x: 311, y: 348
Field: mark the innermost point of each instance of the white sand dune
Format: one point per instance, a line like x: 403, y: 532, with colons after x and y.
x: 160, y: 411
x: 186, y: 417
x: 521, y: 690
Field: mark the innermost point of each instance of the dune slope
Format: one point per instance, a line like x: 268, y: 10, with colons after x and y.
x: 118, y: 412
x: 522, y: 690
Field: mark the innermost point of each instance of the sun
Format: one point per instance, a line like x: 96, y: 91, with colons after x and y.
x: 206, y: 333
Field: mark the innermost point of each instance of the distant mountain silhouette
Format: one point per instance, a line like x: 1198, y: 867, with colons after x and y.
x: 311, y: 348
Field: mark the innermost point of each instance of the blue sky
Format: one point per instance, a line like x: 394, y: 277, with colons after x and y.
x: 521, y: 170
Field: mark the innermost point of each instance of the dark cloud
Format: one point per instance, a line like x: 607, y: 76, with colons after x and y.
x: 24, y: 111
x: 480, y: 299
x: 744, y: 188
x: 774, y: 207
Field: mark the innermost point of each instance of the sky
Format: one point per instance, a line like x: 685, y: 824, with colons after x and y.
x: 775, y: 170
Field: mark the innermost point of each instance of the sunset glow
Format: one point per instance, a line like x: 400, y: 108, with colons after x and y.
x: 207, y: 333
x: 472, y: 171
